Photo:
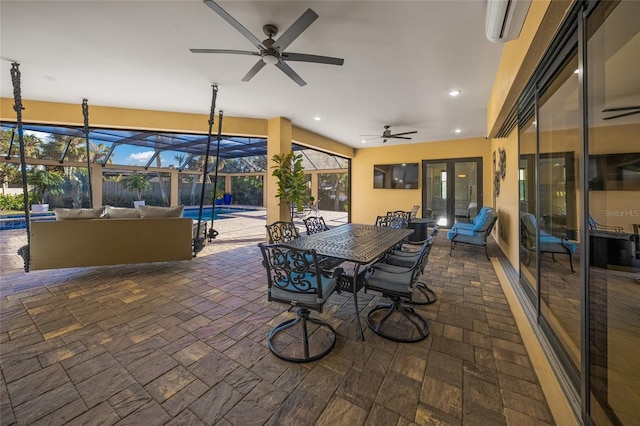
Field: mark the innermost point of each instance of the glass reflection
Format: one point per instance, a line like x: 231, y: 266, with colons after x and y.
x: 614, y: 259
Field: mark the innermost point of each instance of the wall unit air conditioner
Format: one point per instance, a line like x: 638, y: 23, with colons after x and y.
x: 505, y: 18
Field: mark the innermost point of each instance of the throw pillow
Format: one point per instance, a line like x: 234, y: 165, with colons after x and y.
x: 111, y: 212
x: 75, y: 214
x: 153, y: 211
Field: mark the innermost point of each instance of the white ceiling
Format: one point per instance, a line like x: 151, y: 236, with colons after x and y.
x: 401, y: 58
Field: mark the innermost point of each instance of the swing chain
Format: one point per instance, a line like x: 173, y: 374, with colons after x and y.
x: 18, y: 108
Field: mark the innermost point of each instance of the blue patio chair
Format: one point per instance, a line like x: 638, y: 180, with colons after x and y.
x: 476, y: 232
x: 595, y: 226
x: 548, y: 243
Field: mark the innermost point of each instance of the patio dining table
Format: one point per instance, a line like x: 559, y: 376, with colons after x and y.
x: 360, y: 244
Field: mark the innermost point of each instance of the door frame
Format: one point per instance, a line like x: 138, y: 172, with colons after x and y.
x: 450, y: 168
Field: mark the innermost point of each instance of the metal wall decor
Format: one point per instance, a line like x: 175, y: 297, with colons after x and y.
x: 501, y: 170
x: 502, y: 162
x: 496, y: 183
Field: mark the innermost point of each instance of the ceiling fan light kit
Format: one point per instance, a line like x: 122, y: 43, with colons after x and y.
x: 272, y: 51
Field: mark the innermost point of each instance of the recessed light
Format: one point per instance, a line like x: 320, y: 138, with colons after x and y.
x: 458, y: 130
x: 317, y: 118
x: 363, y: 141
x: 454, y: 93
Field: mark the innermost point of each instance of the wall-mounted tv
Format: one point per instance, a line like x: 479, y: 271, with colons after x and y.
x: 614, y: 172
x: 396, y: 176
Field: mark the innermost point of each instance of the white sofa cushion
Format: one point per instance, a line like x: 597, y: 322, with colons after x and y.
x: 154, y: 211
x: 111, y: 212
x: 75, y: 214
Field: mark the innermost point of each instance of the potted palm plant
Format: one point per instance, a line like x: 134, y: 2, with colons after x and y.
x: 136, y: 182
x: 44, y: 183
x: 292, y: 183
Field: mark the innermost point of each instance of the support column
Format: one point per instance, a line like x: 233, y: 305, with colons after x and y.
x: 227, y: 184
x: 314, y: 185
x: 264, y: 188
x: 174, y: 180
x: 279, y: 134
x: 96, y: 185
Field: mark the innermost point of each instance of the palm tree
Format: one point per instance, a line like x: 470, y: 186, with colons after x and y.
x: 99, y: 152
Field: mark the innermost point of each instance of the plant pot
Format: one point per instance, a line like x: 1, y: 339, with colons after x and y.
x: 39, y: 208
x: 227, y: 198
x: 218, y: 201
x: 137, y: 204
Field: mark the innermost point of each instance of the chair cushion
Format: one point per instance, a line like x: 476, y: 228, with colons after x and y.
x: 390, y: 278
x: 529, y: 222
x: 464, y: 225
x: 487, y: 216
x: 284, y: 290
x: 403, y: 261
x: 475, y: 239
x: 479, y: 224
x: 461, y: 231
x: 552, y: 244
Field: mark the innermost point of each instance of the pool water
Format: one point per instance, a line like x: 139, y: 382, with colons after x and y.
x: 221, y: 212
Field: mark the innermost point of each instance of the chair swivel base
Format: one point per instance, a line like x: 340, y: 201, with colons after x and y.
x: 414, y: 322
x: 422, y: 295
x: 302, y: 317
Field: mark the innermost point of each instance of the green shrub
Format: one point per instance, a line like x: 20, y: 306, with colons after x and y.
x: 11, y: 202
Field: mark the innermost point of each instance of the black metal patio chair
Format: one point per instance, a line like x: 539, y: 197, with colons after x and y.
x: 296, y: 278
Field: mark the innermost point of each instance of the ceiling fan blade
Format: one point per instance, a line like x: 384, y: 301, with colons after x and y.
x: 254, y: 70
x: 302, y: 57
x: 629, y: 108
x: 296, y: 29
x: 622, y: 115
x: 403, y: 133
x: 397, y: 137
x: 235, y: 24
x: 235, y: 52
x: 291, y: 73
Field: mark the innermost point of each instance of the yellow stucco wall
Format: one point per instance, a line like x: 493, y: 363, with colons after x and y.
x: 507, y: 228
x: 367, y: 202
x: 519, y: 59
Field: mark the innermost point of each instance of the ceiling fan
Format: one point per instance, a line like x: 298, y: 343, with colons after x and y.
x: 624, y: 111
x: 272, y: 51
x: 386, y: 135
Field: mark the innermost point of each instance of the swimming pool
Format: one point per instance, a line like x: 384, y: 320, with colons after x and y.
x: 16, y: 221
x: 221, y: 212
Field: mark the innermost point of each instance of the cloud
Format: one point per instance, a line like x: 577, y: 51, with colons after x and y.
x: 141, y: 157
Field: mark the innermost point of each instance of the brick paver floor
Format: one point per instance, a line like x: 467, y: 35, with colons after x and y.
x: 184, y: 343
